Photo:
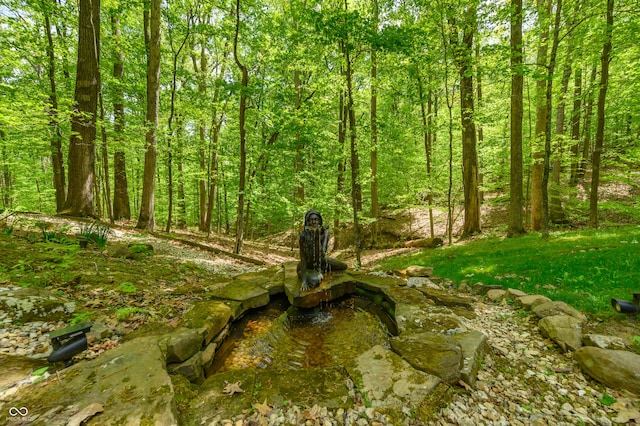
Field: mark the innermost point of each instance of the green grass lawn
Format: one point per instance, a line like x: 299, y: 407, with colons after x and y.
x: 583, y: 268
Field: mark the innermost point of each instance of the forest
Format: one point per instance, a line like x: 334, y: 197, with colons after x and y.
x: 236, y: 117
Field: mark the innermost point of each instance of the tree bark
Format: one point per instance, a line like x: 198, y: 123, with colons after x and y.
x: 146, y: 220
x: 374, y: 129
x: 516, y: 200
x: 121, y: 204
x: 80, y: 197
x: 172, y: 112
x: 463, y: 55
x: 57, y: 159
x: 243, y: 135
x: 599, y: 143
x: 537, y: 172
x: 576, y: 116
x: 425, y: 112
x: 556, y: 211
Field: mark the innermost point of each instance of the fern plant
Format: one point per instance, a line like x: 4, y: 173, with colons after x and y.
x: 96, y: 232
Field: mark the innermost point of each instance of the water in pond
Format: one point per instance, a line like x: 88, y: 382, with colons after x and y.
x: 292, y: 339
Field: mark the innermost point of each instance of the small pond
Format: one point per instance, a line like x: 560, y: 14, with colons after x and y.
x: 283, y: 337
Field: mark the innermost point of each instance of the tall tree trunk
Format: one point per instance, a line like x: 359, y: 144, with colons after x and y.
x: 576, y: 116
x: 243, y: 135
x: 172, y: 112
x: 300, y: 148
x: 217, y: 118
x: 588, y: 114
x: 6, y: 177
x: 202, y: 89
x: 146, y: 220
x: 463, y: 55
x: 181, y: 219
x: 80, y: 197
x: 516, y: 200
x: 374, y: 130
x: 356, y: 191
x: 342, y: 137
x: 425, y: 112
x: 537, y: 171
x: 479, y: 129
x: 556, y: 211
x: 547, y: 132
x: 57, y: 159
x: 121, y: 204
x: 599, y: 144
x: 105, y: 159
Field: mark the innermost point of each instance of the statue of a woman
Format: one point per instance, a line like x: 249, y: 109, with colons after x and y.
x: 313, y: 241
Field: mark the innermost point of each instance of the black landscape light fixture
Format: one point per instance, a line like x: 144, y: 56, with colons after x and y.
x: 68, y: 342
x: 626, y: 307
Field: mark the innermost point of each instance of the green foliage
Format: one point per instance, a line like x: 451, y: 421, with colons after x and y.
x: 583, y: 268
x: 127, y: 312
x: 126, y: 287
x: 80, y: 317
x: 607, y: 400
x: 95, y: 232
x: 636, y: 342
x: 142, y: 249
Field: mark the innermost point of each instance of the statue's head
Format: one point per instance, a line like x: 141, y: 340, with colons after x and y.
x: 313, y: 219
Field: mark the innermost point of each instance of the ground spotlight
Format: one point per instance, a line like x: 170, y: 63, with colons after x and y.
x: 68, y: 342
x: 627, y: 307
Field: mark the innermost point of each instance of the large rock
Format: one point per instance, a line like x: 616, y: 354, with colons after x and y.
x: 474, y: 348
x: 129, y: 382
x: 432, y: 353
x: 192, y: 369
x: 182, y: 344
x: 424, y: 317
x: 558, y: 308
x: 211, y: 404
x: 616, y: 369
x: 208, y: 318
x: 305, y: 387
x: 246, y: 292
x: 387, y: 381
x: 35, y: 304
x: 272, y: 280
x: 532, y: 300
x: 603, y: 342
x: 564, y: 330
x: 444, y: 298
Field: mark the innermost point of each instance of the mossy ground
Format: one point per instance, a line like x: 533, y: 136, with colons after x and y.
x: 103, y: 285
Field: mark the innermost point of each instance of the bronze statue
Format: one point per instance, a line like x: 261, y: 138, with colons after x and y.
x: 313, y: 241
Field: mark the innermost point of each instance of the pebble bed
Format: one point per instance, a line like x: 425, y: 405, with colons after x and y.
x: 524, y: 380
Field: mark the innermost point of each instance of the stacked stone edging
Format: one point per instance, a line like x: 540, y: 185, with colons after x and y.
x: 603, y: 358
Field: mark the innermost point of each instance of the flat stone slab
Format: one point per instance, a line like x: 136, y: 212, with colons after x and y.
x: 424, y: 317
x: 388, y: 381
x: 212, y: 404
x: 208, y: 318
x: 334, y: 286
x: 130, y: 382
x: 35, y: 304
x: 326, y: 387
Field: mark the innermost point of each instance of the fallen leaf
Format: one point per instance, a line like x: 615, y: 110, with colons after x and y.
x: 86, y: 413
x: 313, y: 413
x: 625, y: 416
x: 264, y: 408
x: 231, y: 388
